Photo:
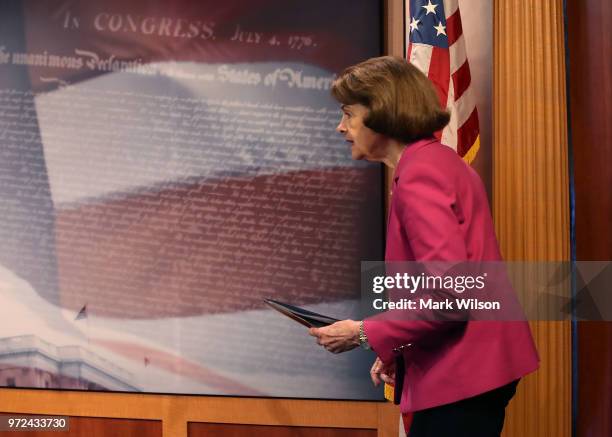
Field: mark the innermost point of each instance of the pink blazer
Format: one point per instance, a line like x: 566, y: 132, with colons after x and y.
x: 439, y: 212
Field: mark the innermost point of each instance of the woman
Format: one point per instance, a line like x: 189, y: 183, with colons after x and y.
x: 459, y: 376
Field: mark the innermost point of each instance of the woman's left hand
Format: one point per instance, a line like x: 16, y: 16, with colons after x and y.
x: 339, y: 337
x: 382, y: 372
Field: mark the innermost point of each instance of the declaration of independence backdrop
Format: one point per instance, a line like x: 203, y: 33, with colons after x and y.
x: 164, y: 167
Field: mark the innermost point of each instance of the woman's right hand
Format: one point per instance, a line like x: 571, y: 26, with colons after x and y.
x: 381, y: 371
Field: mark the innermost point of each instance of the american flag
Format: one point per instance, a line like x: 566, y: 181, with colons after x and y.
x: 153, y: 254
x: 437, y: 47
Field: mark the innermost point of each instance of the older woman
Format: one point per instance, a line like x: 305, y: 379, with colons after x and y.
x: 459, y: 376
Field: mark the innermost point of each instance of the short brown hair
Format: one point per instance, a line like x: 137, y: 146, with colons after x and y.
x: 402, y: 101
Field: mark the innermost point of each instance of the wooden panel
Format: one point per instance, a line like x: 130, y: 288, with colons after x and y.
x: 594, y: 379
x: 531, y: 188
x: 394, y: 45
x: 542, y: 406
x: 176, y: 411
x: 531, y: 184
x: 388, y: 420
x: 101, y: 427
x: 229, y: 430
x: 394, y: 27
x: 590, y: 87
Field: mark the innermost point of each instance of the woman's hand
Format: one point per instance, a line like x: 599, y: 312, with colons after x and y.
x: 339, y: 337
x: 381, y: 371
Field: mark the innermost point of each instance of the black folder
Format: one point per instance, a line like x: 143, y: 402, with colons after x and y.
x: 300, y: 315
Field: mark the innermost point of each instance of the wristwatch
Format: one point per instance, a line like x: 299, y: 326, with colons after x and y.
x: 363, y: 338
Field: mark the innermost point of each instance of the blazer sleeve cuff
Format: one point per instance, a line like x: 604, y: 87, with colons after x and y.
x: 376, y: 338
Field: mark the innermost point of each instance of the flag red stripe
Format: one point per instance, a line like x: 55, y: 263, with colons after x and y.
x: 454, y: 29
x: 467, y: 133
x: 409, y: 52
x: 139, y: 247
x: 439, y: 73
x: 461, y: 80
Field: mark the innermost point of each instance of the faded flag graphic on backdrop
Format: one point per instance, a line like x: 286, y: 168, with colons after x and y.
x: 165, y: 169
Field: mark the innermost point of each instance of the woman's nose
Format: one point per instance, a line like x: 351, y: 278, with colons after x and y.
x: 341, y: 128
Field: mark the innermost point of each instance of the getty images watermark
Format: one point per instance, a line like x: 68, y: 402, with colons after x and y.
x: 444, y: 291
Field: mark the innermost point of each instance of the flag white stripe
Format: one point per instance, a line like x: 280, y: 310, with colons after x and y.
x: 420, y: 56
x: 450, y: 6
x: 464, y: 106
x: 407, y: 20
x: 458, y: 55
x: 449, y: 134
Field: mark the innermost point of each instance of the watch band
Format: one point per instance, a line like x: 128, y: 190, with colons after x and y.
x: 363, y: 338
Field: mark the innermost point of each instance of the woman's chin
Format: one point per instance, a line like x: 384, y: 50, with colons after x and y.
x: 356, y: 155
